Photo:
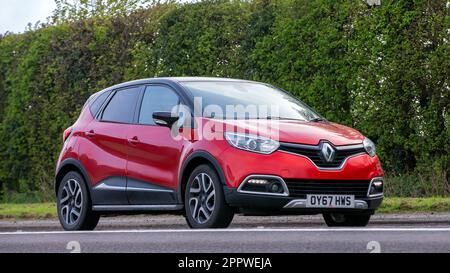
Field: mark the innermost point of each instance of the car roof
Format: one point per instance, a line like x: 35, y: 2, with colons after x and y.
x: 169, y: 80
x: 200, y: 79
x: 176, y: 79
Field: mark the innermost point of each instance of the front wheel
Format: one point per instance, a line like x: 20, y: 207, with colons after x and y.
x: 204, y: 200
x: 74, y: 205
x: 346, y: 220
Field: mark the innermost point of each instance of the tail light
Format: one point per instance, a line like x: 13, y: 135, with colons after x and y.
x: 67, y: 133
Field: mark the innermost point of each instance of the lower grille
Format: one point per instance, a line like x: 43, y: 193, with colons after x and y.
x: 300, y: 188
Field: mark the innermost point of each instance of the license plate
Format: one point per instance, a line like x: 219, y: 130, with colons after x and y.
x: 330, y: 201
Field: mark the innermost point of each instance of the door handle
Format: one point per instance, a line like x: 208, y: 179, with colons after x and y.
x: 90, y: 133
x: 133, y: 141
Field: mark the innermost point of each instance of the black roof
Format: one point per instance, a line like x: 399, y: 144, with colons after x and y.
x: 173, y: 79
x: 200, y: 79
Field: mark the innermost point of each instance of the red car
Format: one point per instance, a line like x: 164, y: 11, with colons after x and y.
x: 208, y: 148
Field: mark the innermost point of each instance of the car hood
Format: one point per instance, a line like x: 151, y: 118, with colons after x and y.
x: 293, y: 131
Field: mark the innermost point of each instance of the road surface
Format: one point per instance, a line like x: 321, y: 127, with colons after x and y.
x: 391, y: 233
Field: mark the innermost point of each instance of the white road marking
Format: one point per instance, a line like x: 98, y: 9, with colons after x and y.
x: 229, y: 230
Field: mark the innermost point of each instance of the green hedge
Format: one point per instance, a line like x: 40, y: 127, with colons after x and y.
x: 383, y: 70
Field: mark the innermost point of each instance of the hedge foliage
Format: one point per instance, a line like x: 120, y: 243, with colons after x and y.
x: 383, y: 70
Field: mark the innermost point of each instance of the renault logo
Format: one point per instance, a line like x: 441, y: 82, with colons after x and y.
x: 328, y: 152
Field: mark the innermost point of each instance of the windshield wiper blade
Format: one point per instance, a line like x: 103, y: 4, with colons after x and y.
x: 282, y: 118
x: 317, y: 119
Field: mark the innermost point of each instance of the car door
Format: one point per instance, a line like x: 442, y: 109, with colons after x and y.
x: 104, y: 151
x: 153, y: 154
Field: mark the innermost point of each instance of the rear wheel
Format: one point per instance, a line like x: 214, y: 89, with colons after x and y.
x: 74, y: 204
x: 346, y: 220
x: 204, y: 200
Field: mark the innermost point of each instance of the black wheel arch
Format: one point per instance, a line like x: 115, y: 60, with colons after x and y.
x: 192, y: 161
x: 68, y: 165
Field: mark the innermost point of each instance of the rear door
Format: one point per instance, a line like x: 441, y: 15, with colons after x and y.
x: 104, y: 151
x: 154, y: 155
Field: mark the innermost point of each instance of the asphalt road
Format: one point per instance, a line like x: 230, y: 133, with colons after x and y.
x: 394, y: 233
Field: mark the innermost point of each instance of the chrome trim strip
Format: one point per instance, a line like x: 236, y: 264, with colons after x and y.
x: 349, y: 147
x: 370, y: 185
x: 296, y: 203
x: 148, y: 190
x: 317, y: 147
x: 135, y: 207
x: 104, y: 186
x: 301, y: 203
x: 286, y: 190
x: 321, y: 168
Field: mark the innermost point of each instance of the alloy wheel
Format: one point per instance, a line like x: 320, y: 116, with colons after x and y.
x: 71, y: 201
x: 202, y: 195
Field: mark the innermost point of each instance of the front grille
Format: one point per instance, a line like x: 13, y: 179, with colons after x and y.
x: 300, y: 188
x: 314, y: 153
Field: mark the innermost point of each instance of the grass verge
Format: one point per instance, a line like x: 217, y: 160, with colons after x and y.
x: 405, y: 205
x: 390, y: 205
x: 28, y: 211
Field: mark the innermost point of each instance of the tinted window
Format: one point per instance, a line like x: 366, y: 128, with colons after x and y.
x: 121, y: 107
x: 269, y: 102
x: 95, y: 106
x: 157, y: 99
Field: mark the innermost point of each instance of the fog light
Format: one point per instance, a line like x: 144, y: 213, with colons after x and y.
x: 276, y: 188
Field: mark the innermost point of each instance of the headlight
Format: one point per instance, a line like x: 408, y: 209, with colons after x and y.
x: 369, y: 146
x: 252, y: 143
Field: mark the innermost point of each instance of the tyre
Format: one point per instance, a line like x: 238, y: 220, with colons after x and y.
x: 204, y: 200
x: 346, y: 220
x: 74, y: 204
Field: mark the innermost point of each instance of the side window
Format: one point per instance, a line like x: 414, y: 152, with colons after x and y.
x: 95, y: 106
x: 157, y: 99
x: 121, y: 107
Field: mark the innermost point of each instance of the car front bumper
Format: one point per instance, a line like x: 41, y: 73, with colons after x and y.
x: 291, y: 205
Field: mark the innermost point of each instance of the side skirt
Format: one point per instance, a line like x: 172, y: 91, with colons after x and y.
x: 111, y: 208
x: 120, y: 191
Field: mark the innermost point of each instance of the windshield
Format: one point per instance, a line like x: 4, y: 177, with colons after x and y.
x: 247, y: 100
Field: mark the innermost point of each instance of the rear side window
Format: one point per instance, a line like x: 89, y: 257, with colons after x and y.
x: 121, y: 106
x: 98, y: 102
x: 157, y: 99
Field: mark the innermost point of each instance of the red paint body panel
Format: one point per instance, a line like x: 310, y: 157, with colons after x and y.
x: 104, y: 150
x: 155, y: 156
x: 104, y: 153
x: 309, y: 133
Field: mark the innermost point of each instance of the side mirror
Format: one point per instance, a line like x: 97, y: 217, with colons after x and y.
x: 164, y: 119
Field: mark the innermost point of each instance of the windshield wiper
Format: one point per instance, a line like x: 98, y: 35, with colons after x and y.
x: 281, y: 118
x: 317, y: 119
